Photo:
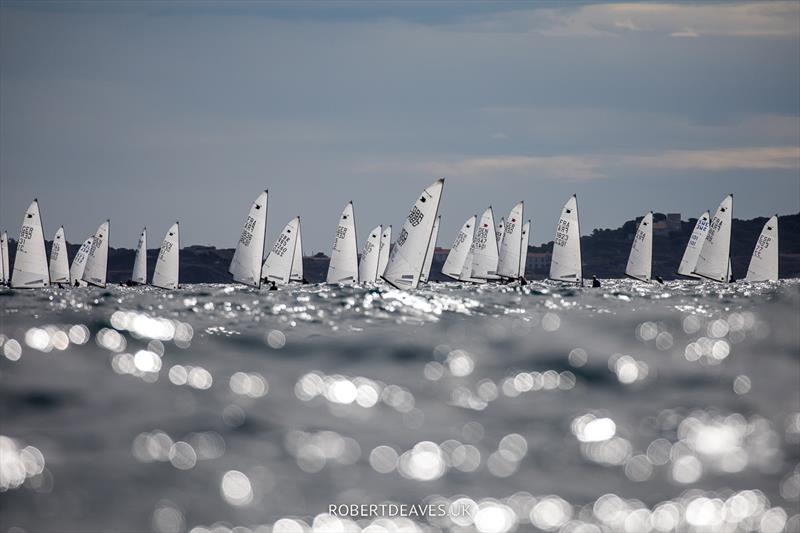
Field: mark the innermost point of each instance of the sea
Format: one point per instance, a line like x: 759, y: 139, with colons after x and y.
x: 456, y: 408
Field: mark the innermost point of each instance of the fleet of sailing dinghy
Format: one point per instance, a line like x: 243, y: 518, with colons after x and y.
x: 386, y: 245
x: 713, y: 262
x: 565, y: 264
x: 165, y: 274
x: 277, y: 266
x: 4, y: 263
x: 484, y: 248
x: 343, y: 266
x: 59, y: 262
x: 426, y: 269
x: 79, y: 263
x: 511, y: 244
x: 696, y: 240
x: 247, y: 259
x: 640, y: 260
x: 454, y: 264
x: 96, y: 269
x: 368, y: 266
x: 407, y: 258
x: 476, y: 255
x: 764, y: 262
x: 30, y: 263
x: 139, y: 276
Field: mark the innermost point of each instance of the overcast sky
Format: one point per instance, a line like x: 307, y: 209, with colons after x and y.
x: 151, y: 112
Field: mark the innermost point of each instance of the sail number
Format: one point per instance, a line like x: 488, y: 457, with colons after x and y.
x: 247, y: 231
x: 281, y: 245
x: 762, y: 244
x: 562, y: 233
x: 415, y: 216
x: 25, y: 234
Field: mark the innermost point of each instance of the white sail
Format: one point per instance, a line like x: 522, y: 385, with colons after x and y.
x: 407, y: 258
x: 484, y: 248
x: 689, y: 260
x: 368, y: 266
x: 96, y: 269
x: 79, y: 263
x: 500, y: 232
x: 565, y: 264
x: 165, y: 274
x: 140, y: 262
x: 30, y: 263
x: 2, y: 265
x: 640, y: 260
x: 278, y: 264
x: 386, y: 245
x: 5, y: 260
x: 297, y: 263
x: 466, y: 271
x: 764, y: 262
x: 426, y: 269
x: 343, y: 267
x: 59, y: 261
x: 511, y: 243
x: 454, y: 264
x: 246, y: 263
x: 523, y: 257
x: 712, y: 262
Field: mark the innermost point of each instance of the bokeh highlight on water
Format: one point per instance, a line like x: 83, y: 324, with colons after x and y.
x: 637, y: 408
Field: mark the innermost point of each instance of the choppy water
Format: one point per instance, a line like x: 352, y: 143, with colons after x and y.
x: 628, y: 408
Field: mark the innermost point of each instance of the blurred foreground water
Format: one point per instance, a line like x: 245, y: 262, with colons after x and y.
x: 544, y: 408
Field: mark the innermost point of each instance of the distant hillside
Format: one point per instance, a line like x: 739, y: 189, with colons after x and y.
x: 605, y: 253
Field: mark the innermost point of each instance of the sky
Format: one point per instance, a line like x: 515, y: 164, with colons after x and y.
x: 148, y: 112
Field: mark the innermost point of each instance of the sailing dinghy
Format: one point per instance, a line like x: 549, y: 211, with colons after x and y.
x: 484, y: 248
x: 277, y: 266
x: 713, y: 262
x: 764, y: 262
x: 640, y: 260
x: 79, y: 263
x: 454, y: 264
x: 246, y: 263
x: 30, y: 263
x: 407, y: 258
x: 96, y: 269
x: 6, y: 278
x: 343, y: 267
x: 426, y: 269
x: 297, y: 263
x: 368, y: 266
x: 140, y: 262
x: 165, y: 274
x: 59, y: 262
x: 565, y: 264
x: 526, y: 239
x: 2, y: 266
x: 386, y: 245
x: 511, y: 244
x: 690, y: 255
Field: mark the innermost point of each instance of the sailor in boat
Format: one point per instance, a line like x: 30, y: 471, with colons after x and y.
x: 77, y: 284
x: 272, y: 286
x: 522, y: 280
x: 595, y: 282
x: 658, y: 279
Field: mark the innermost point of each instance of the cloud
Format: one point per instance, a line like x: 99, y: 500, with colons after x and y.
x: 593, y: 166
x: 755, y: 19
x: 762, y: 158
